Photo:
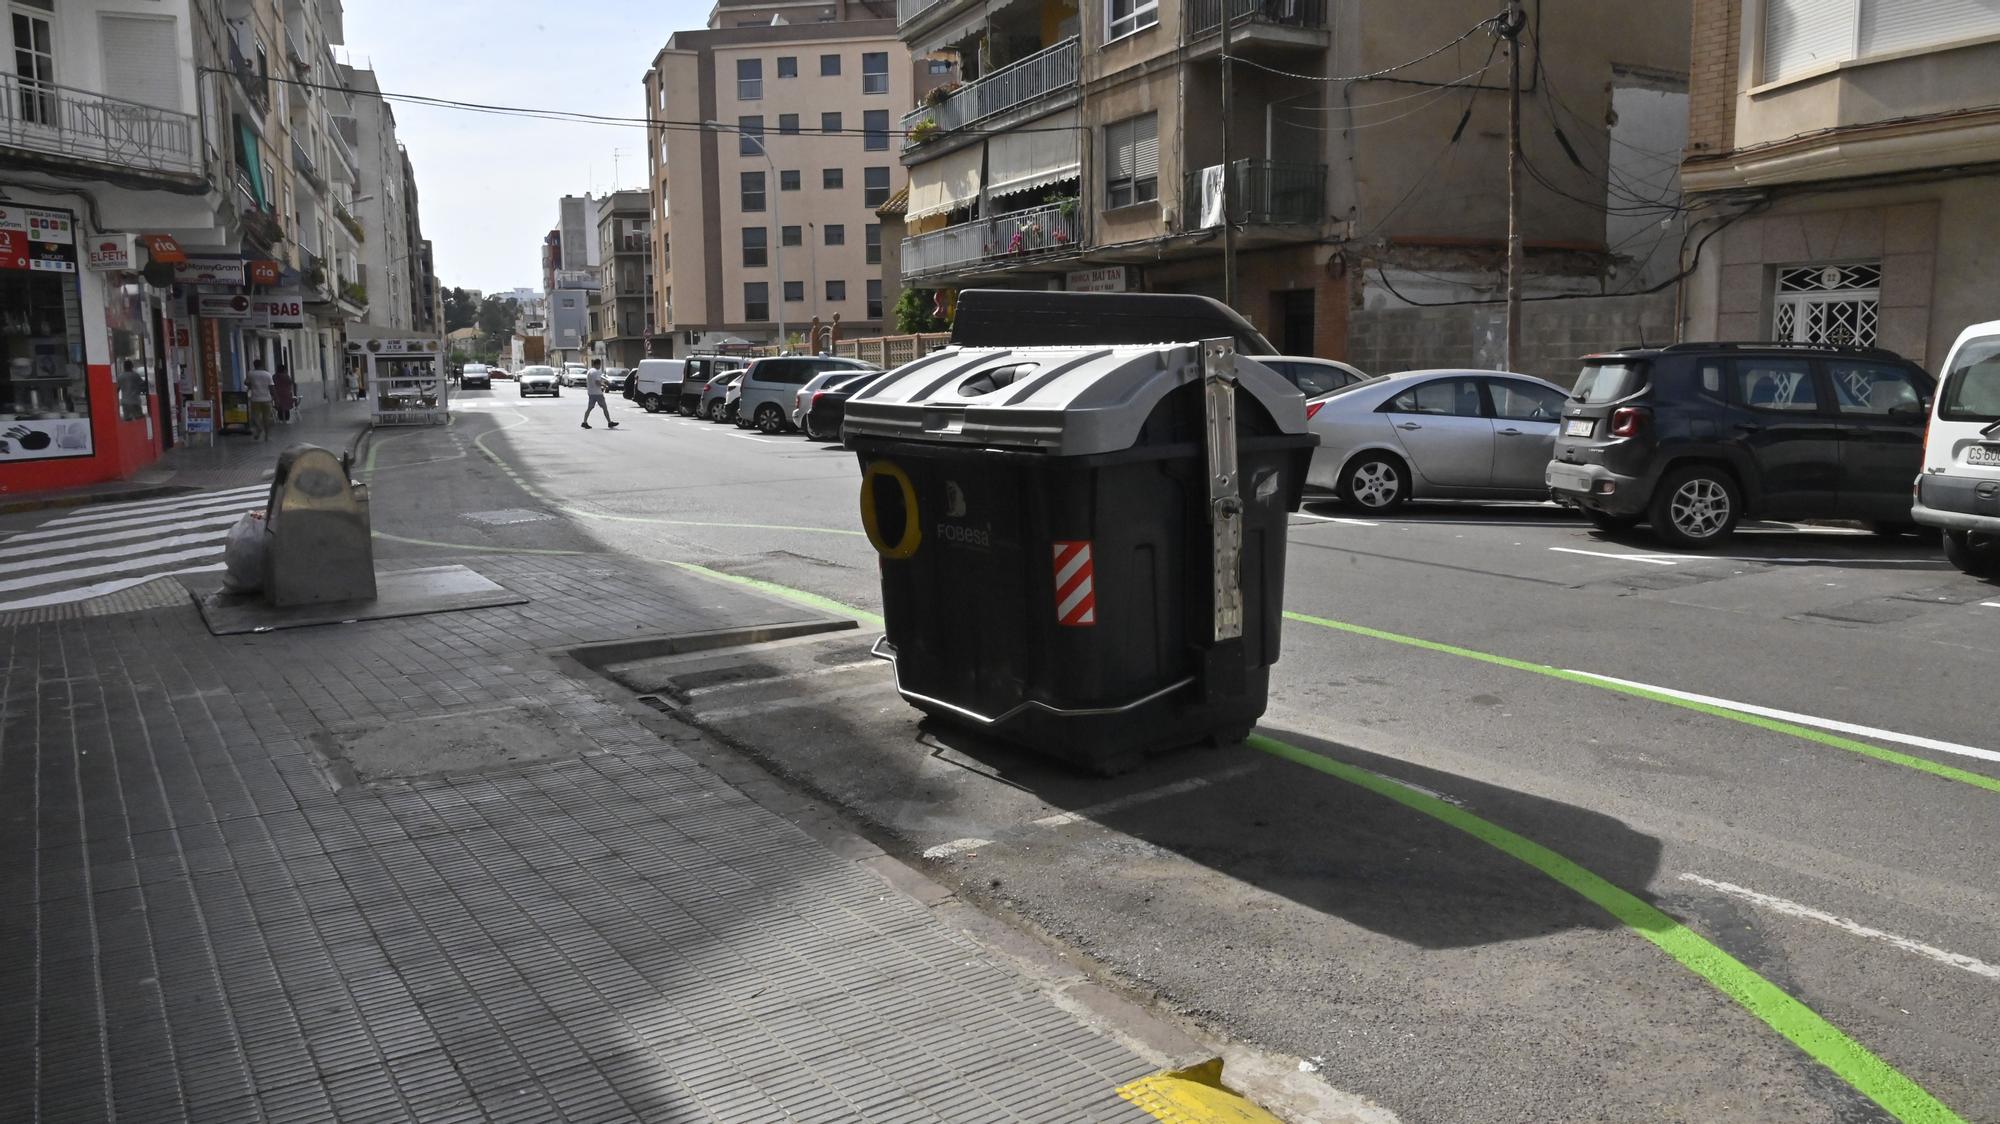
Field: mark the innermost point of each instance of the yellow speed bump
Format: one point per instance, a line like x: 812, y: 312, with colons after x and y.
x: 1195, y: 1095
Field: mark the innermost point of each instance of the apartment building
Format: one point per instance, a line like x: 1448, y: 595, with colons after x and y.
x: 380, y: 208
x: 773, y: 143
x: 1845, y: 157
x: 622, y: 324
x: 1364, y: 154
x: 174, y: 215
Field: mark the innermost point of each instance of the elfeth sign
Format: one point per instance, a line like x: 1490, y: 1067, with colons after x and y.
x: 109, y: 252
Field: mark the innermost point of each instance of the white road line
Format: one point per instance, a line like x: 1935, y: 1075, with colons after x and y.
x: 124, y: 566
x: 1808, y: 720
x: 753, y: 437
x: 84, y: 593
x: 223, y: 520
x: 238, y: 504
x: 1647, y: 559
x: 125, y: 550
x: 1794, y: 909
x: 955, y: 847
x: 125, y: 510
x: 1137, y: 798
x: 1335, y: 519
x: 1989, y: 604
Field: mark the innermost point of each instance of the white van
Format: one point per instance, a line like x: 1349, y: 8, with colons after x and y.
x: 1959, y: 487
x: 656, y: 383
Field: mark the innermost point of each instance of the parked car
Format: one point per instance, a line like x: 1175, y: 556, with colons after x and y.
x: 499, y: 373
x: 802, y: 398
x: 1958, y: 490
x: 474, y: 375
x: 700, y: 371
x: 826, y: 408
x: 575, y: 375
x: 1693, y: 437
x: 712, y: 393
x: 1442, y: 434
x: 1313, y: 376
x: 540, y: 380
x: 732, y: 397
x: 769, y: 385
x: 615, y: 379
x: 656, y: 384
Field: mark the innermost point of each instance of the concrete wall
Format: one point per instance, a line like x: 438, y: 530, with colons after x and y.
x: 1555, y: 334
x: 1935, y: 241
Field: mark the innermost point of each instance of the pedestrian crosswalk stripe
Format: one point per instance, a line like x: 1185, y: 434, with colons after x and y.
x: 75, y: 559
x: 12, y: 584
x: 211, y: 507
x: 85, y: 593
x: 221, y: 520
x: 127, y: 510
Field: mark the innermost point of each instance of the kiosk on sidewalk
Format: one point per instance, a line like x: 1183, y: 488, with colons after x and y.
x: 405, y: 376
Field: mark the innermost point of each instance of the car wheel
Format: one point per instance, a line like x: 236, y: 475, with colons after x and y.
x: 1375, y: 482
x: 812, y: 432
x: 714, y: 411
x: 1611, y: 524
x: 1975, y: 554
x: 770, y: 419
x: 1695, y: 507
x: 650, y: 403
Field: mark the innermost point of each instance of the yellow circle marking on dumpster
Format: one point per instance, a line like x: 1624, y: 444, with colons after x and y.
x: 913, y: 534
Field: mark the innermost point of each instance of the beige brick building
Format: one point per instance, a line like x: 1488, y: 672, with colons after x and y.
x: 773, y: 143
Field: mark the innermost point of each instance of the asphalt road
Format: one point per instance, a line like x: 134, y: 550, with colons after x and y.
x: 1438, y: 943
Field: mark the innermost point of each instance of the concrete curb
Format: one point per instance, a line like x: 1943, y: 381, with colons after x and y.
x: 85, y: 499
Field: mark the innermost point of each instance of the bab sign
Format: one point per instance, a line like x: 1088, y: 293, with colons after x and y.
x: 278, y: 312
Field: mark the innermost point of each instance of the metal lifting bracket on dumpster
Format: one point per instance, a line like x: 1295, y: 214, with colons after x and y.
x: 1225, y: 493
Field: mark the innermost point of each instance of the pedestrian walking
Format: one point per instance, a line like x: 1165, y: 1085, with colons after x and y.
x: 593, y: 384
x: 285, y: 393
x: 259, y: 382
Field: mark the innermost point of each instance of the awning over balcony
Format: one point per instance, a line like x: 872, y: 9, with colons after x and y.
x: 1044, y: 151
x: 947, y: 183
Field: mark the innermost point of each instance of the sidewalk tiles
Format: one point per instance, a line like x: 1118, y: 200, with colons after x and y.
x: 196, y: 925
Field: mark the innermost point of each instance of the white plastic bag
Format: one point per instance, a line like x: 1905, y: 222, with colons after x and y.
x: 243, y: 555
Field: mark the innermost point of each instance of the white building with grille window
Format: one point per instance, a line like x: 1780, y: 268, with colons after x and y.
x: 1841, y: 164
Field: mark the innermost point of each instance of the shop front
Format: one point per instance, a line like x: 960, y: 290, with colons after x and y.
x: 81, y: 344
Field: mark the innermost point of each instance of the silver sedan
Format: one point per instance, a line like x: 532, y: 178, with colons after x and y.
x: 1445, y: 434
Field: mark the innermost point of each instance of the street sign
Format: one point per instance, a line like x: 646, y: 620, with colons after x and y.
x: 110, y: 252
x: 200, y: 416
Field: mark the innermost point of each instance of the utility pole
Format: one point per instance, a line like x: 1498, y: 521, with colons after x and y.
x: 1228, y: 196
x: 1516, y: 20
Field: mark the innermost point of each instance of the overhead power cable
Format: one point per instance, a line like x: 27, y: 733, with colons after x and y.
x: 1433, y: 52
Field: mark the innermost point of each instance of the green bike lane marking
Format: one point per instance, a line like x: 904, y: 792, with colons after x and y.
x: 1799, y: 1024
x: 1775, y: 725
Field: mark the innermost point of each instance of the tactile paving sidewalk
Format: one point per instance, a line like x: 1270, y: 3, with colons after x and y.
x: 194, y: 925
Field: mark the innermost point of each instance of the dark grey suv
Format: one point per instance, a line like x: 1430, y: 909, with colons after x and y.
x: 1693, y: 437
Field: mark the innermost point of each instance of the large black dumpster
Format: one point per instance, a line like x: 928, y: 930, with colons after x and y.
x: 1083, y: 548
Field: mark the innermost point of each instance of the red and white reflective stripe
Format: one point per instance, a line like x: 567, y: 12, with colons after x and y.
x: 1076, y: 592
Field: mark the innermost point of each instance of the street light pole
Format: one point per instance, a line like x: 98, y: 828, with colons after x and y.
x: 771, y: 192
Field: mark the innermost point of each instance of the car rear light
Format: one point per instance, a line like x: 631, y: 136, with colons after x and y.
x: 1625, y: 421
x: 1312, y: 408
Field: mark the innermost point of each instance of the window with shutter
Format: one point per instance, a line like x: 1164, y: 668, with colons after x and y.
x: 1904, y: 25
x: 1132, y: 161
x: 141, y: 62
x: 1802, y: 34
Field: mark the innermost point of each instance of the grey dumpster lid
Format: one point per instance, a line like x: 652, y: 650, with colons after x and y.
x: 1069, y: 401
x: 1039, y: 318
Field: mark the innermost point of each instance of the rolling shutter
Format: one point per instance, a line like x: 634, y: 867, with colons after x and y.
x: 947, y: 183
x: 141, y: 60
x: 1040, y: 153
x: 1901, y: 25
x: 1802, y: 34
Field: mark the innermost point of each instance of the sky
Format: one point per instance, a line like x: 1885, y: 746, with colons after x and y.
x: 488, y: 185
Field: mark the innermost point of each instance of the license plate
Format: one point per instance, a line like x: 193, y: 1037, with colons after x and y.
x: 1983, y: 454
x: 1580, y: 427
x: 1569, y: 478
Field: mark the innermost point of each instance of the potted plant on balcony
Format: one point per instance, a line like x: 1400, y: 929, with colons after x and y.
x: 356, y: 293
x: 938, y: 95
x: 923, y: 130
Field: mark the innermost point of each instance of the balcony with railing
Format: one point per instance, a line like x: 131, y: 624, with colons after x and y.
x: 52, y: 120
x: 910, y: 11
x: 1018, y: 235
x: 303, y: 163
x: 255, y: 86
x: 1042, y: 76
x: 1262, y: 193
x: 1204, y: 17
